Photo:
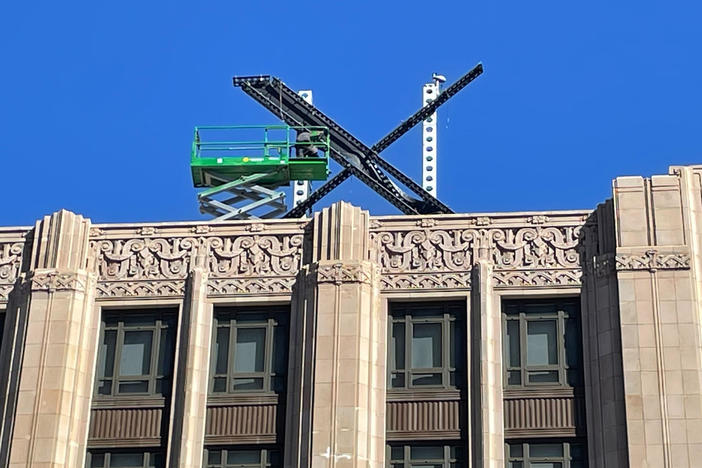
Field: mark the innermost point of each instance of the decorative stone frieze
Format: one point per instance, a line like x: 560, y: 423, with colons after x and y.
x: 255, y: 255
x: 412, y: 253
x: 459, y: 280
x: 148, y: 261
x: 155, y: 288
x: 524, y: 251
x: 424, y: 250
x: 237, y: 286
x: 653, y: 260
x: 11, y: 249
x: 57, y: 281
x: 545, y: 278
x: 338, y: 273
x: 144, y: 258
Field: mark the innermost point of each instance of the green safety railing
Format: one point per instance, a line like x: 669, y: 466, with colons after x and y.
x: 271, y: 146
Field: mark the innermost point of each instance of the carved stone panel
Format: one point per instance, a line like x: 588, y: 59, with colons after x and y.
x: 253, y: 264
x: 439, y: 253
x: 143, y: 266
x: 653, y: 260
x: 11, y: 250
x: 425, y: 257
x: 154, y: 261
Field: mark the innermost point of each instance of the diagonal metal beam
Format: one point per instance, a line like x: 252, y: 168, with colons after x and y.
x: 300, y: 210
x: 425, y: 112
x: 355, y: 157
x: 345, y: 148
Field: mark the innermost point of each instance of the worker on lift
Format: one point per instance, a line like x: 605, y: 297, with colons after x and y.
x: 305, y: 140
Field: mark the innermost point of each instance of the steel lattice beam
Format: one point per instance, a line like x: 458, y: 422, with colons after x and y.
x: 354, y: 156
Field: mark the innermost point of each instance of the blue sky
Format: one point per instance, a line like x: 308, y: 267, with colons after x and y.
x: 98, y: 99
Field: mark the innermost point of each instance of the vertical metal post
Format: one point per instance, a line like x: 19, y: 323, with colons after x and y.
x: 430, y: 91
x: 302, y: 188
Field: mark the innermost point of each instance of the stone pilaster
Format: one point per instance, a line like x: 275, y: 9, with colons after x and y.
x: 57, y: 360
x: 338, y: 351
x: 487, y: 427
x: 602, y: 343
x: 190, y: 395
x: 660, y: 325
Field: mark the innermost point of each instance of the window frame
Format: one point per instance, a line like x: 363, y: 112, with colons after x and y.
x: 562, y: 312
x: 445, y: 313
x: 266, y: 453
x: 271, y: 318
x: 526, y: 458
x: 164, y: 320
x: 146, y: 461
x: 448, y: 460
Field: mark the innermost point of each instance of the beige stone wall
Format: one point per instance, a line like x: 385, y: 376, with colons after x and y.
x: 335, y: 268
x: 343, y: 346
x: 602, y: 345
x: 659, y: 315
x: 187, y: 435
x: 59, y: 347
x: 487, y: 422
x: 638, y: 259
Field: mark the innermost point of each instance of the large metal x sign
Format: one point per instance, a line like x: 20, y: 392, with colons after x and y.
x: 355, y: 157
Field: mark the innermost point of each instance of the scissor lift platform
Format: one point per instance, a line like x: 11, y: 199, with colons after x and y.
x: 227, y: 162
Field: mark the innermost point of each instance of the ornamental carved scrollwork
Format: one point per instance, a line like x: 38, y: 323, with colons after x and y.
x: 255, y: 255
x: 535, y: 247
x: 145, y: 258
x: 144, y: 266
x: 10, y: 262
x: 154, y: 265
x: 424, y: 250
x: 531, y: 255
x: 540, y: 256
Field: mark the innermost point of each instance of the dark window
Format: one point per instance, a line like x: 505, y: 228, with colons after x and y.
x: 136, y: 353
x: 425, y: 345
x: 230, y: 457
x: 542, y: 344
x: 128, y: 458
x: 2, y: 326
x: 546, y: 454
x: 426, y: 455
x: 249, y: 350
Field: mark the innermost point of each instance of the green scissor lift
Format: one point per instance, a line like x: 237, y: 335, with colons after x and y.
x: 242, y: 167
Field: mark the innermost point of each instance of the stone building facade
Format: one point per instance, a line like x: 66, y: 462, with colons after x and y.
x: 549, y: 339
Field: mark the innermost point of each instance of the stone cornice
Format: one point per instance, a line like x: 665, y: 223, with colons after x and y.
x: 413, y: 253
